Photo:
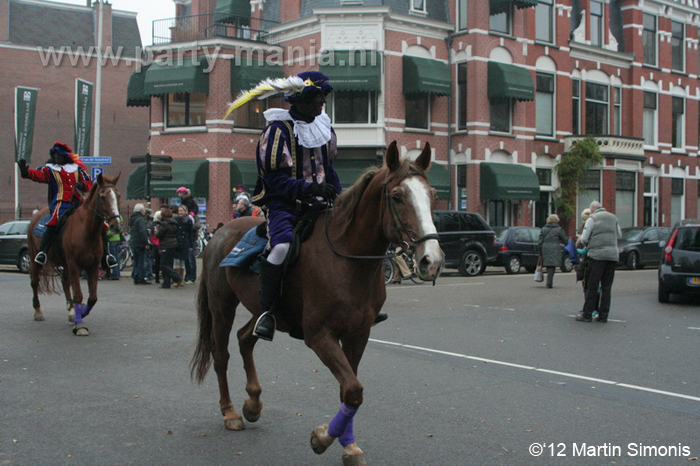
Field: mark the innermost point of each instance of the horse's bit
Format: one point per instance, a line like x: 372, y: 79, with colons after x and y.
x: 104, y: 219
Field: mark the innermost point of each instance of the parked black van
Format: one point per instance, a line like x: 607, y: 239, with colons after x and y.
x: 467, y: 241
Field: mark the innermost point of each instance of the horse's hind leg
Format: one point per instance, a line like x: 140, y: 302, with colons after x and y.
x: 222, y: 324
x: 35, y: 273
x: 246, y: 344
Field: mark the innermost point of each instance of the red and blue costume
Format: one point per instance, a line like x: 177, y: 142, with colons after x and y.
x: 61, y: 180
x: 65, y: 174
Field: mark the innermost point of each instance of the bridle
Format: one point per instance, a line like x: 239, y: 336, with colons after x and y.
x: 399, y: 226
x: 92, y: 206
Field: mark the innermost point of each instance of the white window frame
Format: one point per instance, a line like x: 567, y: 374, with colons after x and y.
x: 462, y: 11
x: 421, y: 11
x: 655, y: 120
x: 656, y: 39
x: 553, y: 104
x: 674, y: 147
x: 682, y: 47
x: 552, y: 22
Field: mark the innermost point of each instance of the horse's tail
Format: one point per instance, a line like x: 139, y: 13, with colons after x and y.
x: 202, y: 359
x: 48, y: 280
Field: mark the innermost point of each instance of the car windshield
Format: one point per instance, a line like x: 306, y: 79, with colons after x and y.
x: 501, y: 233
x: 632, y: 234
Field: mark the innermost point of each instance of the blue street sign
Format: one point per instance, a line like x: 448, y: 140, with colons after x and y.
x: 97, y: 160
x: 95, y: 171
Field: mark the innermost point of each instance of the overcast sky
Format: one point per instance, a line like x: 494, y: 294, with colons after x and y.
x: 148, y: 10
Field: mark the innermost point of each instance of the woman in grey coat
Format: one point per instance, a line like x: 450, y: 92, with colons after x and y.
x: 552, y: 237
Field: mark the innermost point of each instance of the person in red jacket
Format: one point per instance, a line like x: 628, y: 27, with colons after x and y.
x: 65, y: 174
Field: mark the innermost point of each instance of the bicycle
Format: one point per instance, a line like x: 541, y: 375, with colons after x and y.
x: 390, y: 267
x: 203, y: 237
x: 126, y: 257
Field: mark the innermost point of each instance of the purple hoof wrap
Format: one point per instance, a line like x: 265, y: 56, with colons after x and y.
x: 78, y: 307
x: 341, y: 425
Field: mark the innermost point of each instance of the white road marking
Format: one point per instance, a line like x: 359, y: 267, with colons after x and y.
x: 537, y: 369
x: 694, y: 328
x: 609, y: 320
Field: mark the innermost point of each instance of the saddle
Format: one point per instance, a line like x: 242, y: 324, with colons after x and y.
x: 251, y: 247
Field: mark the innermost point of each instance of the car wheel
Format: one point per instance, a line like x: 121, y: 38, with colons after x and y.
x: 664, y: 294
x: 23, y: 261
x: 513, y: 264
x: 632, y: 261
x: 472, y: 264
x: 566, y: 265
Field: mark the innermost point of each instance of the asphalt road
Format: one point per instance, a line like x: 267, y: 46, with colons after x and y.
x: 469, y: 372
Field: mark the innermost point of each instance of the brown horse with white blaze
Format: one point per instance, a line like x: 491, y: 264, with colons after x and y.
x: 78, y: 248
x: 332, y: 293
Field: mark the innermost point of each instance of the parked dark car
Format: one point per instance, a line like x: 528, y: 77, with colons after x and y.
x: 517, y: 249
x: 466, y: 239
x: 13, y: 244
x: 679, y: 271
x: 641, y: 246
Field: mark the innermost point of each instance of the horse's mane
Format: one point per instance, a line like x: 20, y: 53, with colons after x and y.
x: 349, y: 200
x: 91, y: 194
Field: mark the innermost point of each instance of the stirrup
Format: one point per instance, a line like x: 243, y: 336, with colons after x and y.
x: 40, y: 258
x: 265, y: 333
x: 111, y: 261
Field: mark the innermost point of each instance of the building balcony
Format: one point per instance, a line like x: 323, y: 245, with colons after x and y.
x: 211, y: 25
x: 610, y: 146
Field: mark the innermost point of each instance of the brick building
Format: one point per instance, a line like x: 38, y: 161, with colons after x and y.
x: 501, y: 89
x: 47, y: 45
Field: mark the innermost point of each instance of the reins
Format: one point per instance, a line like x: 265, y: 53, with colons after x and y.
x: 402, y: 230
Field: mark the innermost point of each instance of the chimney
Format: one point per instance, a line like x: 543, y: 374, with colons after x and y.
x: 4, y: 20
x: 106, y: 22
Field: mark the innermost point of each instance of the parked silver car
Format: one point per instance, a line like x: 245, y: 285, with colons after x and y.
x: 13, y: 244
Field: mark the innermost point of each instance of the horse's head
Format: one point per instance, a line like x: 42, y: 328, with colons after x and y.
x: 106, y: 201
x: 408, y: 215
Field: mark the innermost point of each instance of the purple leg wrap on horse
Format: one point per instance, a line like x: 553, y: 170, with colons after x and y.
x: 86, y: 310
x: 78, y: 312
x: 341, y: 425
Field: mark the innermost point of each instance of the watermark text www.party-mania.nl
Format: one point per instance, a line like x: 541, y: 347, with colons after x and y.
x: 200, y: 55
x: 632, y: 449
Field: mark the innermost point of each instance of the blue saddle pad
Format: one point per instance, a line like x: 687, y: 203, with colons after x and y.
x: 40, y: 227
x: 244, y: 253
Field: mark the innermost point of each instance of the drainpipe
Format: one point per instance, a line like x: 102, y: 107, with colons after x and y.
x: 98, y: 79
x: 452, y: 202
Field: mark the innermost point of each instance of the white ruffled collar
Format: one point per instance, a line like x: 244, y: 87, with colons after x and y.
x: 69, y: 167
x: 310, y: 135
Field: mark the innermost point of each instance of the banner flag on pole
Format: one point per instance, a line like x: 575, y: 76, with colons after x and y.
x: 83, y: 117
x: 25, y: 111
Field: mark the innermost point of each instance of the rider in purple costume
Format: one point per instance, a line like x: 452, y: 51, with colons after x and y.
x: 295, y: 158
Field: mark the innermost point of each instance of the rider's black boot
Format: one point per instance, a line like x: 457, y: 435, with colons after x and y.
x: 46, y: 241
x: 270, y: 281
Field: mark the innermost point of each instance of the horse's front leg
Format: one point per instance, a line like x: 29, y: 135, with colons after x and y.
x: 65, y: 283
x: 79, y: 328
x: 341, y: 427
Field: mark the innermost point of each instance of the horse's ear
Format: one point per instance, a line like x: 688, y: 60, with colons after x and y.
x: 114, y: 180
x: 392, y: 157
x: 100, y: 179
x: 423, y: 160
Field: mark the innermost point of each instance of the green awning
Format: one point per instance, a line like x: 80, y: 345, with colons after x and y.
x: 439, y: 178
x: 135, y: 96
x: 422, y: 75
x: 500, y: 6
x: 232, y: 11
x: 191, y: 173
x: 350, y: 171
x: 245, y: 76
x: 506, y: 181
x: 509, y: 81
x: 170, y: 79
x: 243, y: 172
x: 136, y: 187
x: 356, y: 70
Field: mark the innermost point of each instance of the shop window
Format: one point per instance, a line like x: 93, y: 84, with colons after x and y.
x: 186, y: 109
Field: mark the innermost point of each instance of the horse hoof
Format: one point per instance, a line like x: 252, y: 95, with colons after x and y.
x: 39, y: 317
x: 249, y: 414
x: 71, y: 316
x: 81, y: 331
x: 353, y: 456
x: 320, y: 440
x: 234, y: 424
